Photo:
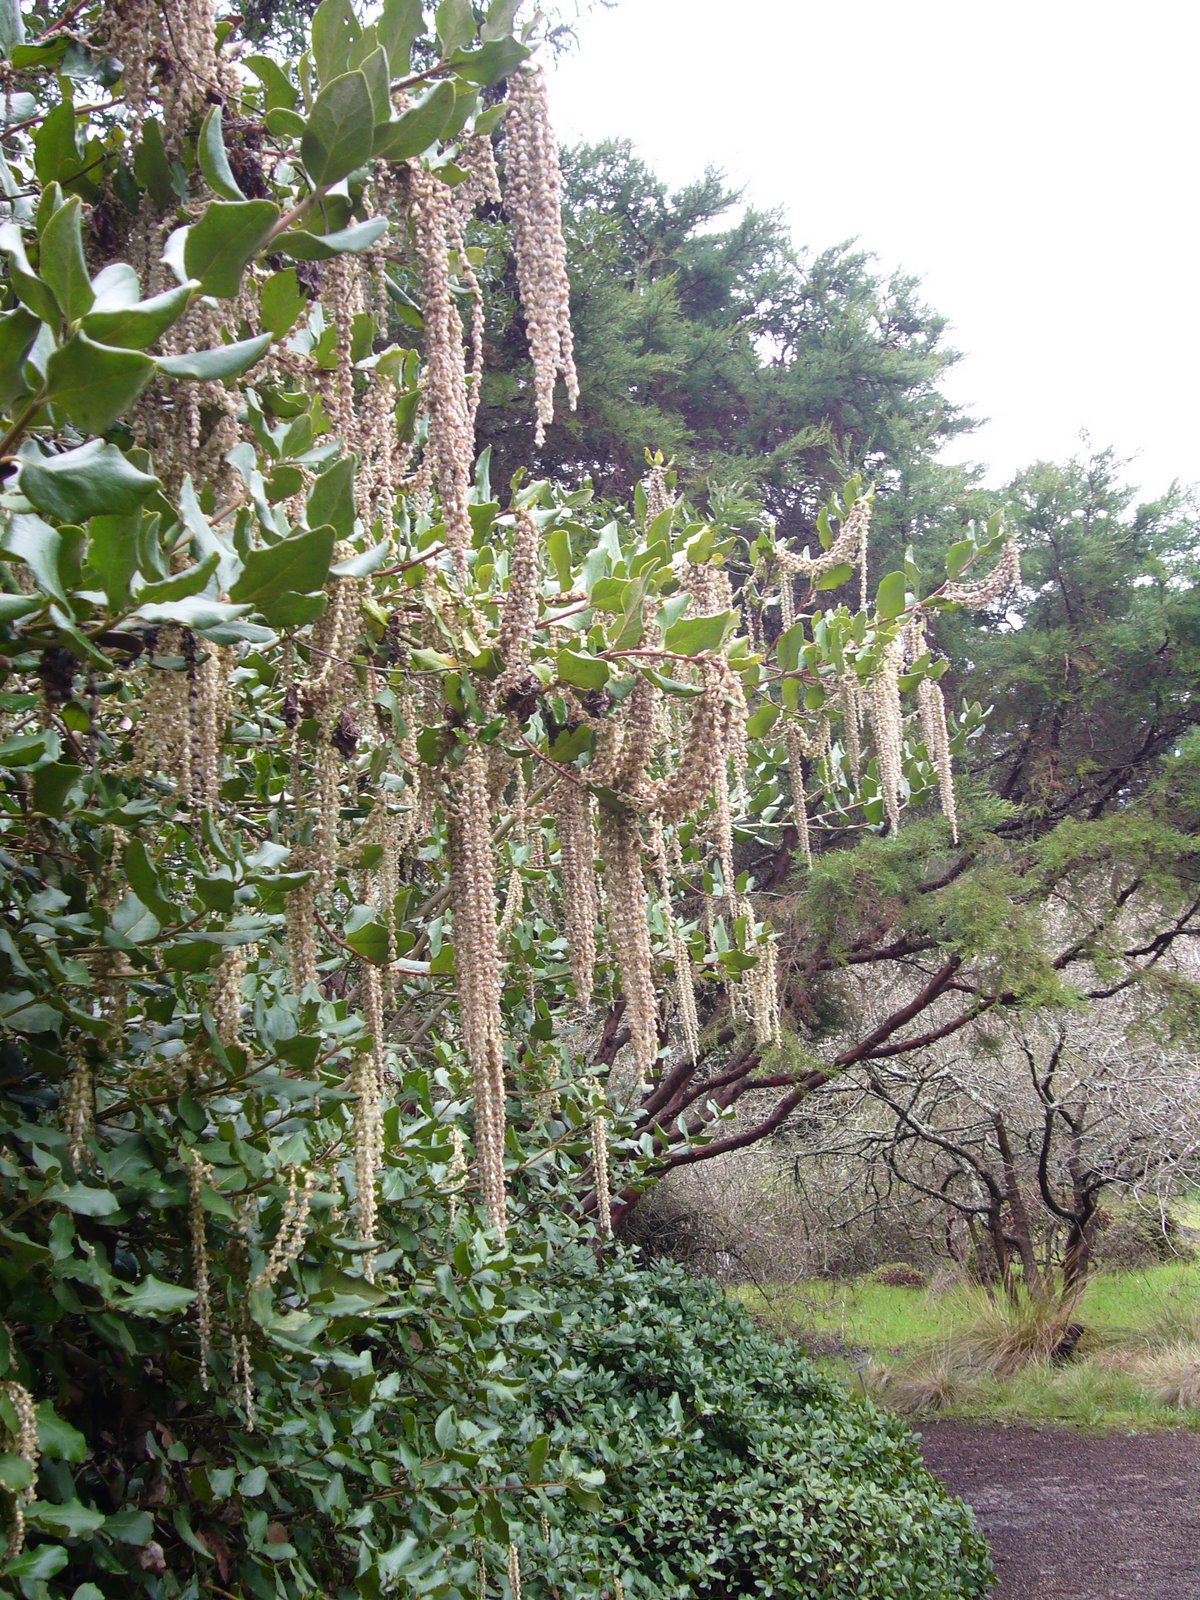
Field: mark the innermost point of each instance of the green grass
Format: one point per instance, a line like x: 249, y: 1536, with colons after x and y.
x: 921, y: 1351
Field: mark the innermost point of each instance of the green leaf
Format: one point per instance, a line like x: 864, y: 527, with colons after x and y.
x: 52, y: 784
x: 133, y: 920
x: 129, y: 1527
x: 416, y: 129
x: 957, y: 557
x: 228, y: 236
x: 277, y: 89
x: 370, y: 940
x: 216, y: 366
x: 144, y: 880
x: 39, y: 546
x: 501, y: 18
x: 29, y: 749
x: 94, y: 384
x: 836, y: 576
x: 18, y: 330
x: 892, y: 595
x: 304, y: 246
x: 282, y: 301
x: 340, y: 130
x: 20, y: 1012
x: 29, y: 287
x: 58, y: 1439
x: 762, y: 720
x: 455, y: 22
x: 151, y: 1297
x: 788, y: 647
x: 56, y: 145
x: 331, y: 498
x: 214, y: 162
x: 96, y: 479
x: 152, y: 167
x: 492, y: 62
x: 16, y: 1475
x: 68, y: 1519
x: 379, y: 82
x: 84, y: 1200
x: 693, y: 636
x: 293, y: 566
x: 42, y: 1562
x: 584, y: 672
x: 335, y: 29
x: 62, y: 261
x: 138, y: 326
x: 211, y: 617
x: 12, y: 27
x: 398, y: 25
x: 113, y: 555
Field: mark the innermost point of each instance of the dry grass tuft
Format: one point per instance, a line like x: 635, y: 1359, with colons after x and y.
x: 1002, y: 1336
x: 928, y: 1383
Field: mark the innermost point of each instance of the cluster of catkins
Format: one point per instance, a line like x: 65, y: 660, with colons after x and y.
x: 879, y: 696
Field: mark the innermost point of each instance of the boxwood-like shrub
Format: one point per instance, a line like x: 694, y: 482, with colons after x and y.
x: 732, y: 1466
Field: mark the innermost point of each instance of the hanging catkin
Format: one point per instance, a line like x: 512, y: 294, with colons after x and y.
x: 519, y: 613
x: 571, y: 804
x: 24, y: 1445
x: 368, y: 1151
x: 887, y: 722
x: 629, y: 932
x: 77, y: 1110
x: 705, y: 753
x: 689, y: 1020
x: 532, y: 201
x: 1003, y: 576
x: 451, y: 446
x: 937, y: 747
x: 199, y: 1174
x: 849, y: 700
x: 600, y: 1180
x: 848, y: 546
x: 478, y: 970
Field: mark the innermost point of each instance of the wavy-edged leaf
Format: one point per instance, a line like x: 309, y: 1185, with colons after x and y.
x: 304, y: 246
x: 216, y: 366
x: 416, y: 129
x: 217, y: 249
x: 139, y: 325
x: 340, y: 131
x: 61, y: 260
x: 214, y: 161
x: 97, y: 479
x: 93, y: 384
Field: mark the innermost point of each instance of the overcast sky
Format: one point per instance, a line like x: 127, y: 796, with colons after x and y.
x: 1035, y: 164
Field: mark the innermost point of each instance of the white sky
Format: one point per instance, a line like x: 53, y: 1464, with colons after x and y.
x: 1035, y: 164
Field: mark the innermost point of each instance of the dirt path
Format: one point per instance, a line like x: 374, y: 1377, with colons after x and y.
x: 1076, y: 1516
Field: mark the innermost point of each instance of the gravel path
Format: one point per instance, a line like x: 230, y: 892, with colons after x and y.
x: 1076, y: 1516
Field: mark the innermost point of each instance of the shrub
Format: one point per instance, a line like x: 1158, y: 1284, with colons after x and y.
x: 732, y: 1466
x: 1132, y: 1237
x: 899, y: 1275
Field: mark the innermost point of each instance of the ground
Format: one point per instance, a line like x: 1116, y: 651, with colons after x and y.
x: 1078, y: 1516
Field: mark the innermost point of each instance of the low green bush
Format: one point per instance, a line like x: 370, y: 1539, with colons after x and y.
x: 732, y: 1466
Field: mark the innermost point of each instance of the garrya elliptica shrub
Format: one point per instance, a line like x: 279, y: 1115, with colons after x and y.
x: 333, y: 789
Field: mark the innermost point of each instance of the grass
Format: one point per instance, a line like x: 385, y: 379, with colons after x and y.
x: 955, y: 1353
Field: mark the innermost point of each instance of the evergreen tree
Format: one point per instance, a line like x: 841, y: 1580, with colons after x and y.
x: 741, y: 358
